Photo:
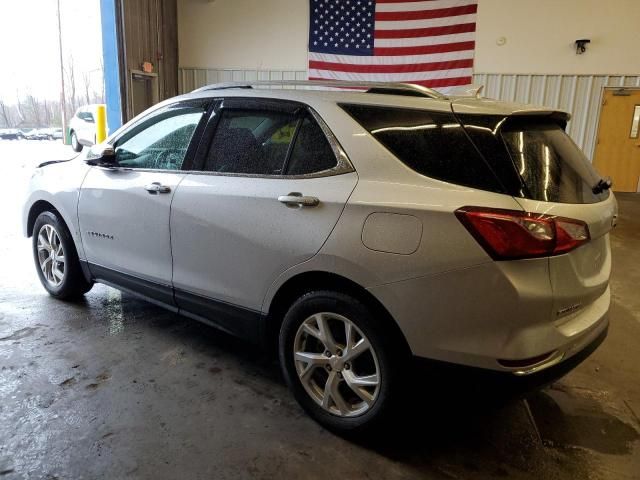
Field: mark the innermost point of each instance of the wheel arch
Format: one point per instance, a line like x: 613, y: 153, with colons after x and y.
x: 36, y: 209
x: 306, y: 282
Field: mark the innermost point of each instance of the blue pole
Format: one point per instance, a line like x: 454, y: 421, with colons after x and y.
x: 111, y: 64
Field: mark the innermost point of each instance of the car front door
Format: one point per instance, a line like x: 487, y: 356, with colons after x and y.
x: 269, y: 186
x: 124, y: 211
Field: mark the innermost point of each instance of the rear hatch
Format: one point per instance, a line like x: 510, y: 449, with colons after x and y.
x: 547, y: 174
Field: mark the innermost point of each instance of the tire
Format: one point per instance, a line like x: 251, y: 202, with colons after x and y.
x: 66, y: 280
x: 75, y: 144
x: 305, y: 379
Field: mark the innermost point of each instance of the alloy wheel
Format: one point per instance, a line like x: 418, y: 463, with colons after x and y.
x: 51, y: 255
x: 336, y: 364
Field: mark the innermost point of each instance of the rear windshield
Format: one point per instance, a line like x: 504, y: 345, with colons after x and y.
x: 551, y: 166
x: 433, y: 144
x: 528, y: 157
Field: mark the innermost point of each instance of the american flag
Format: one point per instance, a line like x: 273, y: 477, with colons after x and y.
x: 427, y: 42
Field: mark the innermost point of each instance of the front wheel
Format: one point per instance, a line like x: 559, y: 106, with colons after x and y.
x: 340, y: 362
x: 56, y: 259
x: 75, y: 143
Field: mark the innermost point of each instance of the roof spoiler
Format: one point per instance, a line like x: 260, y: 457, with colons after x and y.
x: 558, y: 115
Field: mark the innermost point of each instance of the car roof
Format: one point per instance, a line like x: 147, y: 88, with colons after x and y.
x: 383, y: 94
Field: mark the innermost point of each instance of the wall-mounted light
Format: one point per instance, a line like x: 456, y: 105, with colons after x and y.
x: 581, y: 45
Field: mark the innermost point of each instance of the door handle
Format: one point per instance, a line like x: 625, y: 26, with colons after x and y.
x: 155, y: 188
x: 296, y: 199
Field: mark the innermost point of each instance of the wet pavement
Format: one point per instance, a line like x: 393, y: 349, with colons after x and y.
x: 114, y: 387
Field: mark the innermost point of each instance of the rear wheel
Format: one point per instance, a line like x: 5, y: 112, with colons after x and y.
x: 340, y: 362
x: 56, y: 259
x: 75, y: 144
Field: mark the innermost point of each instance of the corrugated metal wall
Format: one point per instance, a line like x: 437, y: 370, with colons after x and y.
x: 579, y: 94
x: 192, y: 78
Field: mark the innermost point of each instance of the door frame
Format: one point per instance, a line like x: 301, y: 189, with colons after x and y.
x: 600, y: 107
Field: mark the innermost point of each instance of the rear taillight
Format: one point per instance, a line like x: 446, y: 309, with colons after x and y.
x: 513, y: 234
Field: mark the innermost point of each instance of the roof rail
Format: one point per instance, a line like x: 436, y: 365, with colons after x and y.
x: 372, y: 87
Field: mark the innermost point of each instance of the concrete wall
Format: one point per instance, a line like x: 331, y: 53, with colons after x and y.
x: 250, y: 34
x: 272, y: 35
x: 540, y: 34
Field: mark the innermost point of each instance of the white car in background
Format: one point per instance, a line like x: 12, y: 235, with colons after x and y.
x: 82, y: 127
x: 351, y: 230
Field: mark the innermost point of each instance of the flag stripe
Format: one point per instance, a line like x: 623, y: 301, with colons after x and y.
x: 426, y: 32
x: 403, y: 1
x: 425, y: 23
x: 401, y: 68
x: 391, y: 77
x: 425, y: 49
x: 449, y: 13
x: 434, y: 40
x: 434, y: 83
x: 389, y: 60
x: 423, y: 5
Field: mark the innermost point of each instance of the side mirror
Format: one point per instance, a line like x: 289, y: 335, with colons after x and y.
x: 102, y: 155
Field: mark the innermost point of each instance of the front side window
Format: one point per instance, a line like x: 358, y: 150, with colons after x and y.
x: 160, y: 142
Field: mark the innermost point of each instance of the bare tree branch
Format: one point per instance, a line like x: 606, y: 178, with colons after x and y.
x: 6, y: 119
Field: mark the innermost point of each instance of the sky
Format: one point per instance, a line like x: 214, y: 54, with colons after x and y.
x: 29, y: 58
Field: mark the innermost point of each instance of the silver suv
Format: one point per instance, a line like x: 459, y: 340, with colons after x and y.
x: 355, y: 230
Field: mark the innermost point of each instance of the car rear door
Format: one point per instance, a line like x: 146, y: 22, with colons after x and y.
x: 269, y: 185
x: 124, y: 212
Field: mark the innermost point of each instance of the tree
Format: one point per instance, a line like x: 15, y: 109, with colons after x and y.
x: 71, y: 102
x: 35, y: 112
x: 86, y: 83
x: 19, y: 108
x: 46, y: 109
x: 6, y: 116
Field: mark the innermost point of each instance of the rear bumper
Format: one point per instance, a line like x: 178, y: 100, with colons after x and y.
x: 494, y: 316
x: 594, y: 335
x: 459, y: 379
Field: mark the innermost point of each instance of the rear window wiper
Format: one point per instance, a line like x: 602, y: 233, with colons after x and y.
x: 602, y: 185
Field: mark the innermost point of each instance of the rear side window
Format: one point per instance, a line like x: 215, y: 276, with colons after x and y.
x: 251, y: 142
x: 433, y: 144
x: 266, y: 142
x: 552, y: 167
x: 311, y: 152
